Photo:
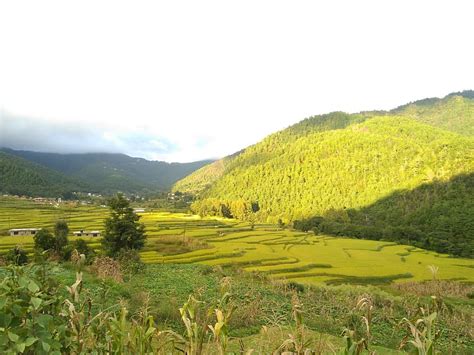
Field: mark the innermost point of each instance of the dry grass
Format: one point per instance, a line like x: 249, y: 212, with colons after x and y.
x: 436, y: 287
x: 105, y: 267
x: 177, y: 244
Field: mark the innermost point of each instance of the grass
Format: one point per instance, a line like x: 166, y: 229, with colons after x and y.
x: 282, y: 254
x: 262, y: 319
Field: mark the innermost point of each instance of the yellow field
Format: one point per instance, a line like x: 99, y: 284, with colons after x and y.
x: 282, y: 254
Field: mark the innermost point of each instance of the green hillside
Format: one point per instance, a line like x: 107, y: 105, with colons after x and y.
x: 374, y: 175
x: 202, y: 179
x: 21, y: 177
x: 454, y: 113
x: 107, y: 173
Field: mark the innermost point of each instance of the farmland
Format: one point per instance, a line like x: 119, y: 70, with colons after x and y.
x: 178, y: 238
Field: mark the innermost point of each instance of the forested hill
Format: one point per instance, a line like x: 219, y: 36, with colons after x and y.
x: 338, y: 169
x: 21, y: 177
x: 454, y: 112
x: 108, y: 173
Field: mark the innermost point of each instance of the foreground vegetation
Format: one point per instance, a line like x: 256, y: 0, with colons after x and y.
x: 198, y: 309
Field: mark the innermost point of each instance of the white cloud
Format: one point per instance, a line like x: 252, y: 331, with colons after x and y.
x: 207, y: 78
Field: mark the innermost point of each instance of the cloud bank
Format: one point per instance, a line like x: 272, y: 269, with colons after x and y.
x: 28, y: 133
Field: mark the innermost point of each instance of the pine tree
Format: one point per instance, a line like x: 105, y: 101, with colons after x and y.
x: 122, y: 229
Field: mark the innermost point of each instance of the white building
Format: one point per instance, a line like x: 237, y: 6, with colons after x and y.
x: 139, y: 210
x: 23, y: 231
x: 83, y: 233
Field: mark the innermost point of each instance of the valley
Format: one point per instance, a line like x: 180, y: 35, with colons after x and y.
x: 282, y: 254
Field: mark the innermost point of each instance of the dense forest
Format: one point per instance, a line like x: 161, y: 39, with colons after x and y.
x: 404, y: 176
x: 454, y: 113
x: 108, y: 173
x: 21, y: 177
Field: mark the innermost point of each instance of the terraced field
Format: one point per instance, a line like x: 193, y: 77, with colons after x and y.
x: 282, y: 254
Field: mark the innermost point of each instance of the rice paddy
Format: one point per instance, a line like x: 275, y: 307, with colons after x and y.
x: 180, y: 238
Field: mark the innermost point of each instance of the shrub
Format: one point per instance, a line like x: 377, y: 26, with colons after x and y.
x: 17, y: 256
x: 130, y: 262
x: 295, y: 286
x: 61, y: 231
x: 30, y: 309
x: 82, y: 248
x: 44, y: 240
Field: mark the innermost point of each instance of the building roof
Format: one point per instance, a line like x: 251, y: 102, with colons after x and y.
x: 23, y: 229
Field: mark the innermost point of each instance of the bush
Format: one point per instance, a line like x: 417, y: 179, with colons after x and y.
x: 61, y: 231
x: 295, y: 286
x: 17, y: 256
x: 82, y: 248
x: 31, y: 319
x: 44, y: 240
x: 130, y: 262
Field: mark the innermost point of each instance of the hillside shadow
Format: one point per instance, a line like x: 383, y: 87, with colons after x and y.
x: 438, y: 216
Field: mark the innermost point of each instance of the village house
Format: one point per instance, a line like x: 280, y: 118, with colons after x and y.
x: 138, y: 210
x: 83, y: 233
x: 23, y: 231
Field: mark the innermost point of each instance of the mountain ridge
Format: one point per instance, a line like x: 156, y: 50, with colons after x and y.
x: 111, y: 172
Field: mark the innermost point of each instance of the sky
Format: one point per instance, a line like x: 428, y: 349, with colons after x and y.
x: 190, y: 80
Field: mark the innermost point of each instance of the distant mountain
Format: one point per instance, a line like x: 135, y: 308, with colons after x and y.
x: 21, y: 177
x: 340, y: 167
x: 108, y: 173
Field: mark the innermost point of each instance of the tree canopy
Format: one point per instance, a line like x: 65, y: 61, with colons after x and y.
x: 122, y: 228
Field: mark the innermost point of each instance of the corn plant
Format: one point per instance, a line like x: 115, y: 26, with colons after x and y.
x: 138, y: 336
x: 196, y: 327
x: 422, y: 332
x: 352, y: 345
x: 220, y: 330
x: 434, y: 271
x: 296, y: 342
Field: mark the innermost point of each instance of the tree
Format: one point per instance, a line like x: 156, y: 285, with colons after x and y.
x: 122, y: 228
x: 61, y: 231
x: 44, y: 240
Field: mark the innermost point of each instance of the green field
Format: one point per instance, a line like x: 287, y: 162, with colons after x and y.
x: 282, y: 254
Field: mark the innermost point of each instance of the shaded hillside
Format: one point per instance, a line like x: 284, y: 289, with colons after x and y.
x: 437, y: 215
x: 21, y: 177
x: 112, y: 172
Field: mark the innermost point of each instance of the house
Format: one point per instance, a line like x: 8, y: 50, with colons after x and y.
x: 23, y: 231
x: 83, y: 233
x: 139, y: 210
x: 40, y: 199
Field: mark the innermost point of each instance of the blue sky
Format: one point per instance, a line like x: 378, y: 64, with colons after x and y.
x: 189, y: 80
